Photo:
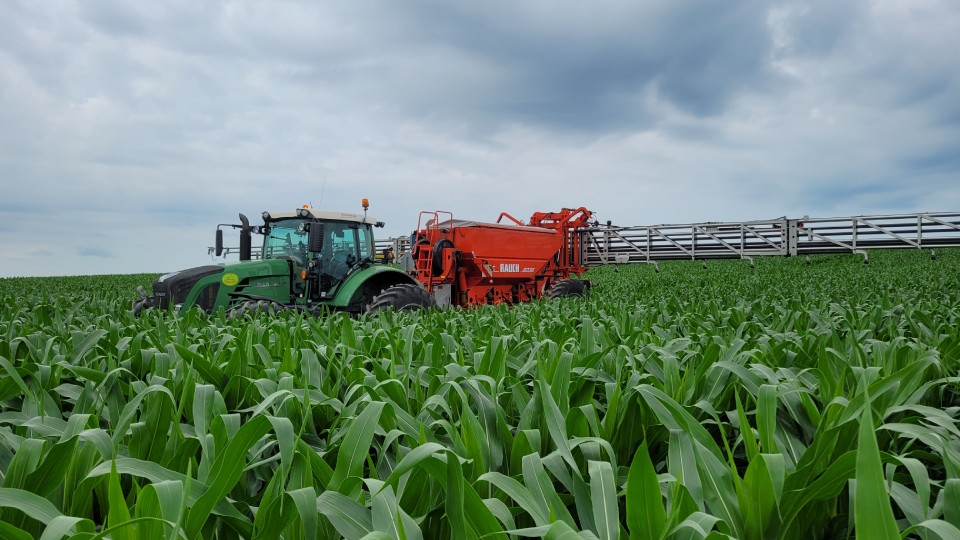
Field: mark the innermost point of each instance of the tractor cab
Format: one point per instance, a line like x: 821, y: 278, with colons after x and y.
x: 321, y: 247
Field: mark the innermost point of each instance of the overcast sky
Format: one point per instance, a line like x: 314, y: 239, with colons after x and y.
x: 129, y: 129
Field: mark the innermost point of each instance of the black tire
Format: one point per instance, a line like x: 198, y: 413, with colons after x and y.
x: 403, y: 297
x: 569, y: 288
x: 251, y: 307
x: 438, y: 248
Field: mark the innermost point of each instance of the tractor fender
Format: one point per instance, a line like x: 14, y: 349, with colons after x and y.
x: 368, y: 282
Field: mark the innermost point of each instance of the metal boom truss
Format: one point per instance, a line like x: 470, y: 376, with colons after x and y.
x: 765, y: 238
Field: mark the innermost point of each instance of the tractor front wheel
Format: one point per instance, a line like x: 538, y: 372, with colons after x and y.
x: 251, y: 307
x: 569, y: 287
x: 403, y: 297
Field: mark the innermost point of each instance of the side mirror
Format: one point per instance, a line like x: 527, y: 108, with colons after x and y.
x: 219, y: 242
x: 315, y: 238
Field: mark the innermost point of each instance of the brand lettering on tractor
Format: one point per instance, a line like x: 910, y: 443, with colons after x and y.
x: 509, y: 267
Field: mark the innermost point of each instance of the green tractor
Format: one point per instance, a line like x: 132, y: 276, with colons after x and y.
x: 311, y: 260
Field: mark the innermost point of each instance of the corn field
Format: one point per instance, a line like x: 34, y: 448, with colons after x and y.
x: 798, y: 399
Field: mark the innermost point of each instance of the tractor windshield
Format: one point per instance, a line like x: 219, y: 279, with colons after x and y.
x: 286, y: 238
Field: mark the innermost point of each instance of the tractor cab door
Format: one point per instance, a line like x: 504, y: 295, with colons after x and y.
x: 344, y: 244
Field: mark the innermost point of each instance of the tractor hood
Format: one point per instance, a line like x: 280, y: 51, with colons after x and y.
x: 212, y: 286
x: 173, y: 288
x: 258, y: 279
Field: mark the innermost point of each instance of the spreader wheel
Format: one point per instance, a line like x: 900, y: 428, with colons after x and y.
x: 403, y: 297
x: 438, y: 248
x: 569, y: 287
x: 251, y: 307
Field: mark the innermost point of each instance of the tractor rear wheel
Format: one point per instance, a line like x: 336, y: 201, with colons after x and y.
x: 403, y: 297
x: 251, y: 307
x: 569, y: 287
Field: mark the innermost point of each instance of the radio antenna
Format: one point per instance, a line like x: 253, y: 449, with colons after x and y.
x: 322, y: 189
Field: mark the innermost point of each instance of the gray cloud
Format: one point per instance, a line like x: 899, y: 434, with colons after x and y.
x: 820, y: 28
x: 148, y: 123
x: 561, y: 65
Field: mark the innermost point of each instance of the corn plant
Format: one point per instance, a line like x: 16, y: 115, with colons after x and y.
x: 795, y: 399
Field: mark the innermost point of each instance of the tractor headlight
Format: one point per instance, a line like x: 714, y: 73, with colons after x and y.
x: 265, y: 215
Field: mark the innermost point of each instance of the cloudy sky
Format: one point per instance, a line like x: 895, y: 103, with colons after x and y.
x: 129, y: 129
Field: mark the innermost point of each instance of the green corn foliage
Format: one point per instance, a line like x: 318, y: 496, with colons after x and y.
x: 790, y: 400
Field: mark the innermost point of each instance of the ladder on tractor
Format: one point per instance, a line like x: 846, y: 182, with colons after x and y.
x: 775, y: 237
x: 423, y: 247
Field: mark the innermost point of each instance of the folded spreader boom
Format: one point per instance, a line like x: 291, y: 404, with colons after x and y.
x: 774, y: 237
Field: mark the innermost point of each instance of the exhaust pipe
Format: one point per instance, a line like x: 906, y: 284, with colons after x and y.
x: 245, y: 241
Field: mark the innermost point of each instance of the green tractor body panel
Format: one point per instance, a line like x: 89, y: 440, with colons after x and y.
x: 207, y: 293
x: 262, y: 279
x: 223, y: 286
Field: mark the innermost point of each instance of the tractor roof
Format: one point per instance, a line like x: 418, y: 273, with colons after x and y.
x: 320, y: 214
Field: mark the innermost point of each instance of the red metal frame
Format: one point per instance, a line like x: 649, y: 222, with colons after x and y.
x: 493, y: 263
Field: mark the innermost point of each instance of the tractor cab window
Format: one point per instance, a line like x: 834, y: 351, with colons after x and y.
x: 364, y: 241
x: 286, y: 238
x: 344, y: 245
